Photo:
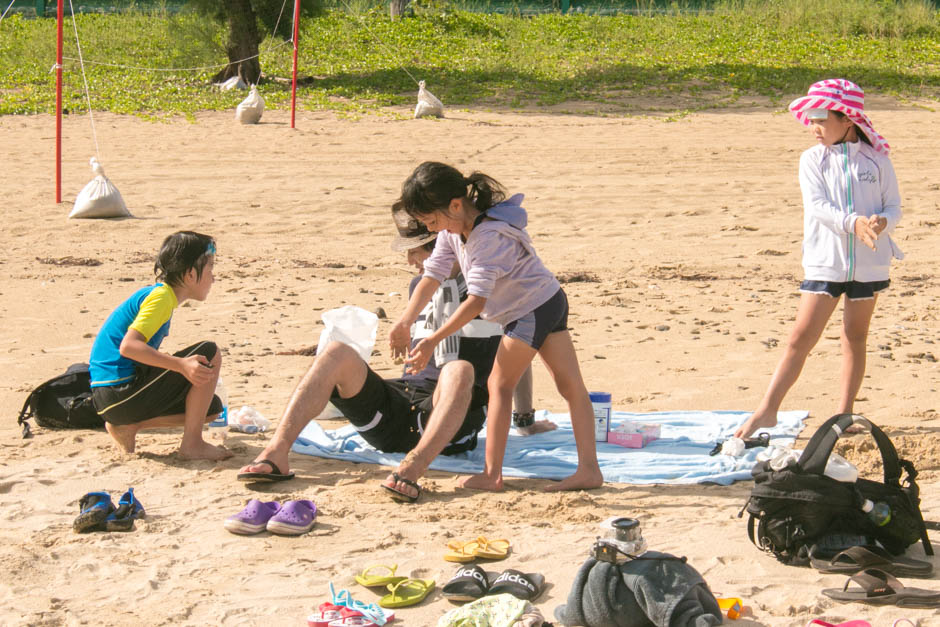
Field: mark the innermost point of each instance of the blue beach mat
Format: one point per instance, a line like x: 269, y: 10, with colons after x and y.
x: 679, y: 456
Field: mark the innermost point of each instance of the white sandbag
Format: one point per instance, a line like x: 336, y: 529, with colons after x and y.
x: 234, y: 82
x: 353, y: 326
x: 100, y: 198
x: 250, y: 109
x: 428, y: 104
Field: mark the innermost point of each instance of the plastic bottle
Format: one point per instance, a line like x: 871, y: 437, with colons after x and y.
x: 879, y: 513
x: 220, y: 424
x: 600, y: 401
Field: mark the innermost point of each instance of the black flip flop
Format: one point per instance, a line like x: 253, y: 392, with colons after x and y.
x: 525, y: 586
x: 879, y: 588
x: 401, y: 496
x: 469, y: 583
x: 275, y: 475
x: 857, y: 558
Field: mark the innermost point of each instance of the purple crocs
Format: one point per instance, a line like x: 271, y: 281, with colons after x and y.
x: 253, y: 518
x: 295, y: 518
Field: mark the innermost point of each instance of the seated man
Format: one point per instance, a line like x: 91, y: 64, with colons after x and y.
x: 439, y: 410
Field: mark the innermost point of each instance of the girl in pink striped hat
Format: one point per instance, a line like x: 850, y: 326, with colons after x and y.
x: 851, y: 204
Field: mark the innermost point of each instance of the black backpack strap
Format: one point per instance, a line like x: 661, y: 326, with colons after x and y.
x: 816, y: 454
x: 23, y: 418
x: 750, y: 530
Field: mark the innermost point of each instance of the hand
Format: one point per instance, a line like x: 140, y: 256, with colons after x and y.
x: 197, y: 370
x: 399, y: 338
x: 865, y: 232
x: 878, y: 224
x: 420, y: 355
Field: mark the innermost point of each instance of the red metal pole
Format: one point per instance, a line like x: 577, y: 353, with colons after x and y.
x: 293, y: 88
x: 58, y: 105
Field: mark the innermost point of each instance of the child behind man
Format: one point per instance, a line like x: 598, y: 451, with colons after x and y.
x: 134, y: 385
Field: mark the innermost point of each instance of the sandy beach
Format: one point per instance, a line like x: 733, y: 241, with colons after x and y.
x: 680, y: 239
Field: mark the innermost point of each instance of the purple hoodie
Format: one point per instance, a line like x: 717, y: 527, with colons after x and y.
x: 498, y: 262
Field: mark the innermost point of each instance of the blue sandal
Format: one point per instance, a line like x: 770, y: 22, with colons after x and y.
x: 129, y: 509
x: 95, y: 507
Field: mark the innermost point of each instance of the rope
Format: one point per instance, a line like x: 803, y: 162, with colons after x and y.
x: 382, y: 43
x: 81, y: 64
x: 91, y: 116
x: 187, y: 69
x: 7, y: 11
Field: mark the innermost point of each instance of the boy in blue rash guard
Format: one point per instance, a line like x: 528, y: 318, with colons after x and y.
x: 134, y: 385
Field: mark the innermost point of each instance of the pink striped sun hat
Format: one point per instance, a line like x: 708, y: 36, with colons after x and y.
x: 839, y: 94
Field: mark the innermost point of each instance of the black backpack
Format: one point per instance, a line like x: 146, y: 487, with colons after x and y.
x: 799, y: 506
x: 62, y: 402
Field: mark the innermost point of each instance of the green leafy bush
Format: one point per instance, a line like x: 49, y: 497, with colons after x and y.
x: 360, y: 61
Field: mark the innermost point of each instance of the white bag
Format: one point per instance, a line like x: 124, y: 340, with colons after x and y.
x: 250, y: 109
x: 234, y: 82
x: 353, y: 326
x: 100, y: 198
x: 428, y: 104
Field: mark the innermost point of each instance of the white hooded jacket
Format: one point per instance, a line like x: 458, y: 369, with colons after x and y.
x: 840, y: 183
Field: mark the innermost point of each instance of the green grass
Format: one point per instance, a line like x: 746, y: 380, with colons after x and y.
x: 712, y: 57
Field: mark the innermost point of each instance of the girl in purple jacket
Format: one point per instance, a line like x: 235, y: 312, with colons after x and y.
x: 484, y: 233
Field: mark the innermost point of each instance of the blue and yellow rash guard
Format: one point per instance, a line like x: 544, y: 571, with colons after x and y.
x: 148, y: 312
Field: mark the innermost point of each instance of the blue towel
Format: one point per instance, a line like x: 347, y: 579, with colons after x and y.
x: 679, y: 456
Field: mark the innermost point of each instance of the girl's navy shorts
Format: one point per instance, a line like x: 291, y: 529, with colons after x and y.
x: 549, y: 317
x: 154, y: 392
x: 853, y: 290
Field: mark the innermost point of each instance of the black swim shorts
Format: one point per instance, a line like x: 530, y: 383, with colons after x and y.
x: 390, y: 414
x: 154, y: 392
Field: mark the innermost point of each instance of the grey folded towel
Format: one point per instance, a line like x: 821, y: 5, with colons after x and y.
x: 639, y: 593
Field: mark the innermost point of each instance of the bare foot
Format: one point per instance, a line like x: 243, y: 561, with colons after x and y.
x: 582, y: 479
x: 482, y: 482
x: 400, y: 486
x: 204, y: 450
x: 539, y: 426
x: 124, y: 435
x: 755, y: 422
x: 273, y: 456
x: 411, y: 468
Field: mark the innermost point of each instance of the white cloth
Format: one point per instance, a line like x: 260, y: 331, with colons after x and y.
x: 840, y: 183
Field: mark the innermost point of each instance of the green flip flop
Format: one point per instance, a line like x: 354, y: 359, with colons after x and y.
x: 385, y: 577
x: 407, y: 592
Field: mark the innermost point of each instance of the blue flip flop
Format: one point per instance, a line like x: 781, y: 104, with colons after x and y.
x: 95, y: 507
x: 128, y: 510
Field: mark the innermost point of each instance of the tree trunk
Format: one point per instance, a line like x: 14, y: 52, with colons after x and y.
x: 243, y: 42
x: 397, y: 7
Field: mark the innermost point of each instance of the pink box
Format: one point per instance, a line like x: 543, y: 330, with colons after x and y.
x: 645, y: 434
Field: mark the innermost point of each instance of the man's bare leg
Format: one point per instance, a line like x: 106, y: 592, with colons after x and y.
x: 450, y: 403
x: 340, y: 367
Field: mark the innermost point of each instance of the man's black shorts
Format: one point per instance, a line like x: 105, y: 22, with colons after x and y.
x: 390, y: 414
x: 154, y: 392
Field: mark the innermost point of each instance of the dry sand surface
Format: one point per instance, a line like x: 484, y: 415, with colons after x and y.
x: 682, y: 239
